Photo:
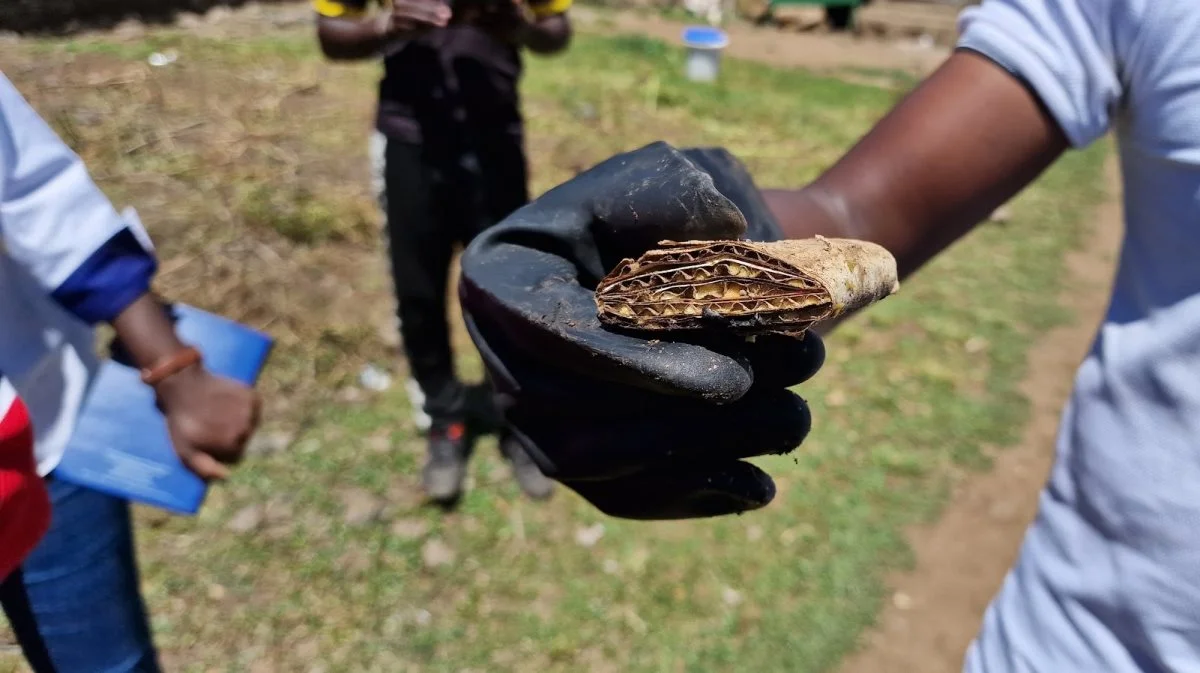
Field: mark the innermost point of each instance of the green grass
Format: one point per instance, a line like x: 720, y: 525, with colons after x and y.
x: 915, y: 390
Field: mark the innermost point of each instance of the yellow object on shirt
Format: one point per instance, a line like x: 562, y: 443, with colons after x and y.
x: 336, y: 9
x: 356, y: 8
x: 549, y: 8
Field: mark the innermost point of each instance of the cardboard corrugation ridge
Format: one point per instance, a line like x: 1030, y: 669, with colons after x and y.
x: 802, y: 282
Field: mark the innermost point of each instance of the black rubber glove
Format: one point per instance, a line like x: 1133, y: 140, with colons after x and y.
x: 642, y: 428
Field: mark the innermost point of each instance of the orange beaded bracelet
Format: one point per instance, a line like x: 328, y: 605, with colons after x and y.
x: 171, y: 365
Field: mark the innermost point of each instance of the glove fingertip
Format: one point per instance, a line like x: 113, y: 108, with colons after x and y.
x: 744, y: 488
x: 782, y: 362
x: 714, y: 378
x: 671, y: 368
x: 791, y: 420
x: 668, y: 494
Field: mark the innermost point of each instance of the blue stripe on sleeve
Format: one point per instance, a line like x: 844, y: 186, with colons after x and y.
x: 109, y: 280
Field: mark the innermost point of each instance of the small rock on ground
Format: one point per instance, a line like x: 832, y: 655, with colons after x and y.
x: 246, y: 519
x: 410, y: 529
x: 588, y: 537
x: 361, y: 507
x: 265, y: 444
x: 436, y: 553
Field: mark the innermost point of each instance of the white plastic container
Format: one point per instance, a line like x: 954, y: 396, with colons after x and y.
x: 704, y: 46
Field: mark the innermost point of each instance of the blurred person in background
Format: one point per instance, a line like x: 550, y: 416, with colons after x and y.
x: 68, y: 261
x: 1108, y: 575
x: 449, y: 161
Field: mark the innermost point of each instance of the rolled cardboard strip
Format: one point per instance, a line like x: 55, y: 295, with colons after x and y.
x: 847, y: 273
x: 854, y: 273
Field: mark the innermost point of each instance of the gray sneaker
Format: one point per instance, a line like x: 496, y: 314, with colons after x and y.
x: 529, y: 477
x: 446, y: 469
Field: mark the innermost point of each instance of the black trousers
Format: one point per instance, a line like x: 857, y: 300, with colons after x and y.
x: 437, y: 200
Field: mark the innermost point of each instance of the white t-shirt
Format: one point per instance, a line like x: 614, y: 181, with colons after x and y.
x: 1108, y: 578
x: 67, y: 261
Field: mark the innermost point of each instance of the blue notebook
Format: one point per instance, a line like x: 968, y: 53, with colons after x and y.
x: 121, y: 445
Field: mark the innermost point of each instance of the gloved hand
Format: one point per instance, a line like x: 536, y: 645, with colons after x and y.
x: 643, y: 428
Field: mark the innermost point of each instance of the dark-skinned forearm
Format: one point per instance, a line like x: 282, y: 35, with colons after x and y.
x: 349, y: 39
x: 960, y: 145
x: 546, y: 36
x: 147, y: 334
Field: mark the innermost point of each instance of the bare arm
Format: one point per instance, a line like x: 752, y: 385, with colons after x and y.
x: 355, y: 37
x: 542, y: 29
x: 347, y: 39
x: 964, y: 142
x: 547, y: 35
x: 63, y: 231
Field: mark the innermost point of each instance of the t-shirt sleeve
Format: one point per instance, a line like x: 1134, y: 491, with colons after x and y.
x: 340, y: 8
x: 57, y: 224
x: 1064, y: 50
